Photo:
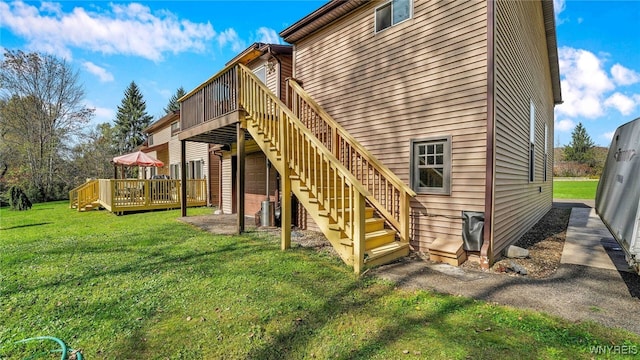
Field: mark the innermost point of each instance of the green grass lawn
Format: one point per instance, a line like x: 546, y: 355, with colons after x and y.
x: 584, y: 190
x: 145, y: 286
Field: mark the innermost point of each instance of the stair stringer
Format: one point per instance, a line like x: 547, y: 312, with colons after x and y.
x: 336, y: 237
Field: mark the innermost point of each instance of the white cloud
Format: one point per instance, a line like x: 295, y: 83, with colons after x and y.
x: 98, y: 71
x: 129, y: 29
x: 608, y: 135
x: 558, y: 8
x: 584, y: 83
x: 268, y: 36
x: 624, y: 104
x: 229, y: 36
x: 565, y: 125
x: 101, y: 114
x: 624, y: 76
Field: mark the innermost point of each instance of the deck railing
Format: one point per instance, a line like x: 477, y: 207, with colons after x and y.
x: 136, y: 194
x: 217, y: 97
x: 388, y: 194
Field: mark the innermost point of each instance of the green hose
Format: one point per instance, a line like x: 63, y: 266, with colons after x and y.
x: 63, y: 347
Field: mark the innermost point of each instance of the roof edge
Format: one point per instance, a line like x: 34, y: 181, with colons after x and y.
x: 324, y: 15
x: 552, y: 48
x: 165, y: 120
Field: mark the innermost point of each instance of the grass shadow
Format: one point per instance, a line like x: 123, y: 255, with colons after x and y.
x: 24, y: 226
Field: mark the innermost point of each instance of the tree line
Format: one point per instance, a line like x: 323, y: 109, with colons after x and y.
x: 45, y: 149
x: 580, y: 157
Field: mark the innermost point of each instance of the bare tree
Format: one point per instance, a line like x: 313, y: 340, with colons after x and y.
x: 42, y: 106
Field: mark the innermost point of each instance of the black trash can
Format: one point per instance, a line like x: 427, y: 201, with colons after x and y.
x: 472, y: 230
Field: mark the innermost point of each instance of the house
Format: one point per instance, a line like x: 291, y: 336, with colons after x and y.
x: 402, y: 118
x: 201, y: 163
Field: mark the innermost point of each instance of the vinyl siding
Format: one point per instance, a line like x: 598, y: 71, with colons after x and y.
x: 423, y: 78
x: 214, y: 179
x: 522, y: 75
x: 286, y: 70
x: 226, y: 185
x: 162, y: 136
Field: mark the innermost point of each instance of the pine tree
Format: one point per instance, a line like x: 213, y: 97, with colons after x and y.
x: 131, y: 120
x: 173, y: 104
x: 580, y: 147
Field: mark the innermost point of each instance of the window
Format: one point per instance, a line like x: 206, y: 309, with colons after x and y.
x: 431, y: 166
x: 261, y: 73
x: 175, y: 127
x: 532, y: 140
x: 546, y: 150
x: 392, y: 13
x: 195, y: 170
x: 174, y: 170
x: 150, y: 140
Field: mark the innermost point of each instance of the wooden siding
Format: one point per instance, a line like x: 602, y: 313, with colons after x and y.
x: 522, y: 75
x: 422, y: 78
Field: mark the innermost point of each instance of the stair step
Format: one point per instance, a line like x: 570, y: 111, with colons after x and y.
x: 386, y: 253
x: 373, y: 224
x: 379, y: 238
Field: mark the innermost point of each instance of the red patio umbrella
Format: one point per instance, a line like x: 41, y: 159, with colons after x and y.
x: 137, y: 158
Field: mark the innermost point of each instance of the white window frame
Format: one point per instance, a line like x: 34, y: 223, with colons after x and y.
x: 150, y: 140
x: 414, y: 166
x: 174, y: 171
x: 546, y: 151
x: 390, y: 3
x: 175, y: 129
x: 532, y: 141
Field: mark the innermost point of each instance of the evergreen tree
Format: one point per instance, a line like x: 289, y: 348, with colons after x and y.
x: 131, y: 120
x: 580, y: 147
x: 173, y: 104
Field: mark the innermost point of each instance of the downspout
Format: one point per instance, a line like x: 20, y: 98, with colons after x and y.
x: 486, y: 256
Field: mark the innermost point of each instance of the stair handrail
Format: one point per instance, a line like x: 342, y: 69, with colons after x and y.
x: 73, y: 193
x: 399, y: 221
x: 88, y: 193
x: 312, y: 138
x: 273, y: 116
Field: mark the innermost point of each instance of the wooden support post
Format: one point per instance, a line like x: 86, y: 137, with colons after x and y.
x: 405, y: 217
x: 183, y: 177
x: 358, y: 224
x: 240, y: 168
x: 285, y: 205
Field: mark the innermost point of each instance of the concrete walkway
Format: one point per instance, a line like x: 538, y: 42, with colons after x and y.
x: 593, y: 281
x: 590, y: 243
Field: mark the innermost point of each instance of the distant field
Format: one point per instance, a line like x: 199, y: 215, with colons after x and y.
x: 580, y: 189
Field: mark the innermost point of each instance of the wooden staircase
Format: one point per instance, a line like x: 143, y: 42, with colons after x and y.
x: 367, y: 225
x: 85, y: 197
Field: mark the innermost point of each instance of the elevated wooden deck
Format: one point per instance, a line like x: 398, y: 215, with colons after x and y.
x: 125, y: 195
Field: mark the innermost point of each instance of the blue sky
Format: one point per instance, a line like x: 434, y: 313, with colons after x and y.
x: 162, y: 45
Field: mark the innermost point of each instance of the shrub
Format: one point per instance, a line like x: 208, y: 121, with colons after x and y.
x: 18, y: 199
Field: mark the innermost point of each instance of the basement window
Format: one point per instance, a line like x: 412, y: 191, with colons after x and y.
x: 392, y: 13
x: 431, y: 166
